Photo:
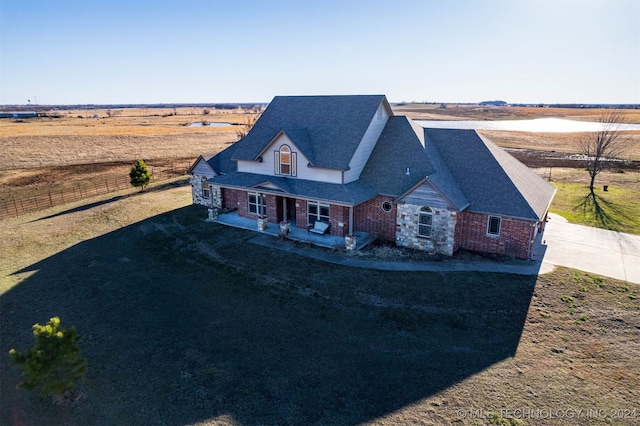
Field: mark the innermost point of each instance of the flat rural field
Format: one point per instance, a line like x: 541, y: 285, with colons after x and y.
x: 49, y: 150
x: 76, y: 145
x: 188, y: 322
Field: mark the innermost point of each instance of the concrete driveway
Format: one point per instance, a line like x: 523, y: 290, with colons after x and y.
x: 607, y: 253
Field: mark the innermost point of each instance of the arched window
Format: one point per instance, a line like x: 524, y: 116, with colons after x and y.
x: 285, y: 160
x: 425, y: 220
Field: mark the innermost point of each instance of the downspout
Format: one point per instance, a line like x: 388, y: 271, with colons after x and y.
x: 531, y: 242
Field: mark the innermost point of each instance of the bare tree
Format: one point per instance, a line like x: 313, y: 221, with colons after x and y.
x: 601, y: 146
x: 243, y: 129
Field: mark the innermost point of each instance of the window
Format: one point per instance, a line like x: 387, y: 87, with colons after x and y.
x: 285, y: 161
x: 493, y: 227
x: 386, y: 206
x: 425, y: 219
x: 257, y: 204
x: 317, y: 211
x: 206, y: 192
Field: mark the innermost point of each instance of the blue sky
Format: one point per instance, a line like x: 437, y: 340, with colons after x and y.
x: 155, y: 51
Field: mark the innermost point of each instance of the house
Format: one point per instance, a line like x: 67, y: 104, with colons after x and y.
x: 349, y: 162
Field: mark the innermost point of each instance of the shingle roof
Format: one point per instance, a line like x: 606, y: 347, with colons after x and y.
x: 349, y: 194
x: 492, y: 180
x: 222, y: 163
x: 471, y: 171
x: 333, y: 126
x: 398, y: 148
x: 402, y: 145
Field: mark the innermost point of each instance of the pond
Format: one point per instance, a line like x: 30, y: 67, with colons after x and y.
x: 550, y: 125
x: 211, y: 124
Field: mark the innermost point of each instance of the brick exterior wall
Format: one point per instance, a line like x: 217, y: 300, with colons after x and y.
x: 230, y: 198
x: 339, y: 220
x: 512, y: 241
x: 272, y: 208
x: 301, y: 214
x: 369, y: 217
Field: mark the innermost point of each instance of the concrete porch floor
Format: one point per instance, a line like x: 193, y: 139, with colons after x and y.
x: 296, y: 234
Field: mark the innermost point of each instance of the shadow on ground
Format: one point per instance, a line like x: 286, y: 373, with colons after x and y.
x: 155, y: 187
x: 183, y: 322
x: 604, y: 212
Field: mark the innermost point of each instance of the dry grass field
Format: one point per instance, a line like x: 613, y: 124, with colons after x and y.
x: 187, y: 322
x: 46, y: 142
x: 119, y: 136
x: 74, y: 146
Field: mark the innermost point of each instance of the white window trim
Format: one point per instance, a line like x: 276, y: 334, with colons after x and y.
x: 383, y: 204
x: 206, y: 192
x: 491, y: 234
x: 426, y: 211
x: 277, y: 163
x: 260, y: 204
x: 318, y: 216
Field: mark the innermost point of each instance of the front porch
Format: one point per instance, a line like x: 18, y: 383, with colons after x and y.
x: 295, y: 234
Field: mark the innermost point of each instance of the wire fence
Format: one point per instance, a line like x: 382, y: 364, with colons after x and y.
x: 17, y: 203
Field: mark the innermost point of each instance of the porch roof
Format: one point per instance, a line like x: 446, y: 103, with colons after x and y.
x: 349, y: 194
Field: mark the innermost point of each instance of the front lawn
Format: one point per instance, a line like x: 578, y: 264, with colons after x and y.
x: 186, y: 322
x: 617, y: 209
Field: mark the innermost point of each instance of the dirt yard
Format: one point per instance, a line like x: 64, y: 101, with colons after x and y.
x: 187, y: 322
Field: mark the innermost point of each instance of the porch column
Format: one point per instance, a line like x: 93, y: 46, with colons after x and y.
x: 284, y: 209
x: 350, y: 220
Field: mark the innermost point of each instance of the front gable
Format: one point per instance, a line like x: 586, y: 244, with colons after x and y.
x: 201, y: 167
x: 425, y: 193
x: 271, y: 186
x: 269, y: 161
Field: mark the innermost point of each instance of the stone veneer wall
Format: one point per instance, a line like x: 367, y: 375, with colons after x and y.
x: 443, y: 230
x: 216, y: 196
x: 197, y: 184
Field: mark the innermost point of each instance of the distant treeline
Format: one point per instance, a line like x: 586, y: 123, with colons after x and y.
x: 537, y: 105
x: 259, y: 105
x: 226, y: 106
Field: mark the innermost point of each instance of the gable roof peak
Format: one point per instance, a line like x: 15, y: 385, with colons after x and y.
x: 327, y: 127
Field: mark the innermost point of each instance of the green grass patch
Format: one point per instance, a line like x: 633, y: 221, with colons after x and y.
x: 617, y: 209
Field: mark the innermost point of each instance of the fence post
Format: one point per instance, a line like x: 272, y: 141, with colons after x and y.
x: 15, y: 206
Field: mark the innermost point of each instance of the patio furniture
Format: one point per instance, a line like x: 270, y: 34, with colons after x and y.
x: 319, y: 227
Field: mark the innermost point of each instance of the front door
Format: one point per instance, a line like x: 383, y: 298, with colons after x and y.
x: 286, y: 208
x: 291, y: 208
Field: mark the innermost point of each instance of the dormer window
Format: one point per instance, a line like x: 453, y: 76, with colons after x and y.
x: 285, y: 161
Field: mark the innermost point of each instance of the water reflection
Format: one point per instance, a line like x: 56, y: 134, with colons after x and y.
x: 550, y: 125
x: 210, y: 124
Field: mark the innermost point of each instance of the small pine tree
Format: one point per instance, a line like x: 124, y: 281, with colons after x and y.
x: 140, y: 175
x: 54, y: 363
